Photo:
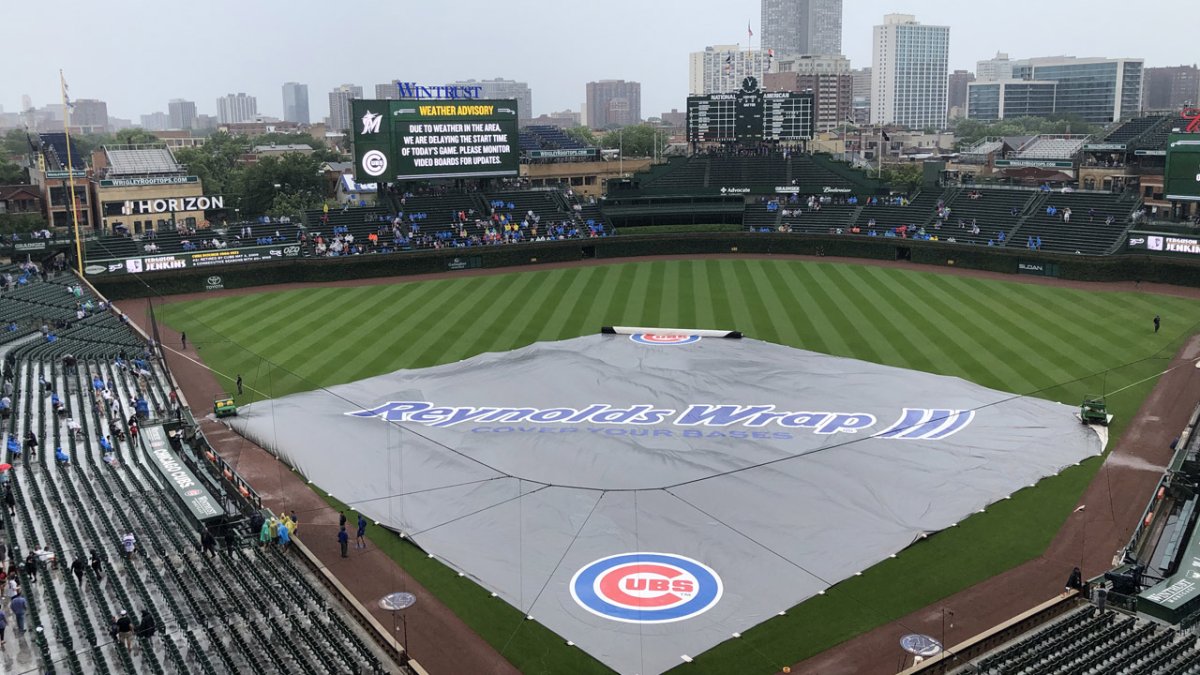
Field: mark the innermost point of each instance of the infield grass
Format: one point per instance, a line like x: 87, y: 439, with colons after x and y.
x: 1045, y: 341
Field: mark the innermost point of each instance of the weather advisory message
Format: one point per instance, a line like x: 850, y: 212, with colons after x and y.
x: 406, y: 140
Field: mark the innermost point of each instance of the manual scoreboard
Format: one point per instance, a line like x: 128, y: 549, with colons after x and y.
x: 750, y: 116
x: 458, y: 138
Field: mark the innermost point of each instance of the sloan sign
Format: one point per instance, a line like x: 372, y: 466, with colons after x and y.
x: 171, y: 205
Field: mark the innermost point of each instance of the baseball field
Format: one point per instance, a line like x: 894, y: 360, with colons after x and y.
x: 1052, y: 342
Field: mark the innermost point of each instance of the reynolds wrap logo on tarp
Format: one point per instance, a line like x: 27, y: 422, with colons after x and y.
x: 909, y: 424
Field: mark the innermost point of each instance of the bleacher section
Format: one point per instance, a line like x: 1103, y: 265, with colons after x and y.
x: 1062, y: 147
x: 248, y: 609
x: 1128, y: 131
x: 140, y: 161
x: 168, y: 241
x: 992, y: 212
x: 918, y: 212
x: 56, y: 143
x: 1085, y: 233
x: 537, y: 137
x: 758, y: 174
x: 1091, y: 642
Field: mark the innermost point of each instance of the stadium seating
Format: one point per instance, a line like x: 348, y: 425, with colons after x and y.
x: 992, y: 212
x: 1052, y: 147
x: 57, y: 145
x: 246, y: 610
x: 1086, y: 234
x: 537, y: 137
x: 919, y: 211
x: 1130, y: 130
x: 759, y: 174
x: 1090, y: 642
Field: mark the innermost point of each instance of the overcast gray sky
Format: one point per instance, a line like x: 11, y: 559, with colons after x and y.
x: 137, y: 54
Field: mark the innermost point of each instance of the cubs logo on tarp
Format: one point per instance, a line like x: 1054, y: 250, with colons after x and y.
x: 663, y: 339
x: 646, y: 588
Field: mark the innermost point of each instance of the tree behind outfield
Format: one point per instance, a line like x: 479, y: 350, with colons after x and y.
x: 636, y: 141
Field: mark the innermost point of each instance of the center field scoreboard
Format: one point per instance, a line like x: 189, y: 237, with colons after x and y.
x: 1182, y: 176
x: 414, y: 140
x: 750, y: 116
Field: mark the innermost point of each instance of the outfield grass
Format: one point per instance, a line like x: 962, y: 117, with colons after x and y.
x: 1046, y: 341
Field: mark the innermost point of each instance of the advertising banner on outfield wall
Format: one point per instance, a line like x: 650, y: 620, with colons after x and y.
x: 647, y: 496
x: 1162, y: 243
x: 179, y: 261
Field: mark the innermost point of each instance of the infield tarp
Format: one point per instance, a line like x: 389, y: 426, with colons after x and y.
x: 748, y: 476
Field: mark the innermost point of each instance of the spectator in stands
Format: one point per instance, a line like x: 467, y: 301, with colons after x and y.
x: 3, y: 627
x: 19, y: 606
x: 146, y: 627
x: 208, y: 543
x: 97, y: 566
x: 281, y: 532
x: 79, y: 568
x: 75, y: 430
x: 125, y: 630
x: 295, y: 524
x: 60, y: 457
x: 1074, y: 582
x: 31, y: 569
x: 343, y: 541
x: 31, y: 443
x: 11, y: 588
x: 264, y: 533
x: 5, y: 407
x: 128, y: 545
x: 10, y: 501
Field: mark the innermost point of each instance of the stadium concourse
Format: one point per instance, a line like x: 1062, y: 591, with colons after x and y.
x: 106, y: 501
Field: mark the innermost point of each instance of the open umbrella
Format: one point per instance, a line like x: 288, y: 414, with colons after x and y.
x: 5, y: 467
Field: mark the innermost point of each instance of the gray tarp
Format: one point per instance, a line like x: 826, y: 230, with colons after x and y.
x: 780, y: 471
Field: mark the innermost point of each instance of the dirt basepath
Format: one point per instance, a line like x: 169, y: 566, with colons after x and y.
x: 444, y: 644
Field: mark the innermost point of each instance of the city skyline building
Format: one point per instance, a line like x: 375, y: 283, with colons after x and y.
x: 339, y: 106
x: 235, y: 108
x: 909, y: 73
x: 295, y: 103
x: 613, y: 103
x: 182, y: 114
x: 802, y: 27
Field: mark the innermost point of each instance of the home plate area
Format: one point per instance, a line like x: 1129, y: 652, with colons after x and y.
x: 648, y: 493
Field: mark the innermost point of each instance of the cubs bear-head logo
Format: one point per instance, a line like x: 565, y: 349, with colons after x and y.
x: 664, y: 338
x: 646, y: 588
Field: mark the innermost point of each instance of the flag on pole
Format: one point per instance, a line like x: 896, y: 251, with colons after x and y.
x: 748, y: 31
x: 66, y: 91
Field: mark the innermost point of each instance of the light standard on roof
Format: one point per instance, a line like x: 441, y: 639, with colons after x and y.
x: 398, y: 602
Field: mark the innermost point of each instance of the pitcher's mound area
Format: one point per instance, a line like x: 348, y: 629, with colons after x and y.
x: 647, y: 496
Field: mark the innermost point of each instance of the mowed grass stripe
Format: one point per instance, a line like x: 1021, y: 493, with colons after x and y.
x: 305, y: 331
x: 719, y: 293
x: 818, y: 309
x: 437, y: 344
x: 919, y: 337
x: 859, y: 331
x: 1064, y: 312
x: 670, y: 299
x: 511, y: 330
x: 652, y: 309
x: 774, y: 305
x: 584, y: 310
x: 760, y: 309
x: 793, y: 296
x: 271, y: 313
x: 420, y: 321
x: 480, y: 335
x: 968, y: 350
x: 1053, y: 360
x: 698, y: 291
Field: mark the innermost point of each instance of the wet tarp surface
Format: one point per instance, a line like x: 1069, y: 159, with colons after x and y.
x: 648, y: 496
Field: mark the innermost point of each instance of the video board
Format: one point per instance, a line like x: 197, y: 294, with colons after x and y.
x: 408, y: 140
x: 1181, y: 182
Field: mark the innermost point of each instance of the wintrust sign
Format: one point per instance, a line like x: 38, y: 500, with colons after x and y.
x: 172, y: 205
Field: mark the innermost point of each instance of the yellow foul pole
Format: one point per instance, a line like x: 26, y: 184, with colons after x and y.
x: 66, y: 104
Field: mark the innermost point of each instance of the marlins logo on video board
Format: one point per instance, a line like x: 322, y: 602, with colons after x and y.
x: 663, y: 339
x: 646, y: 588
